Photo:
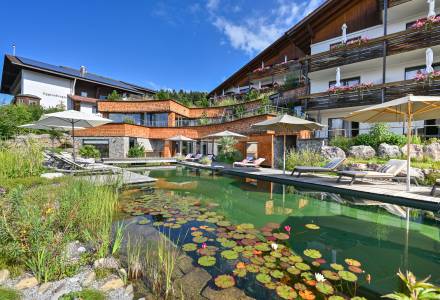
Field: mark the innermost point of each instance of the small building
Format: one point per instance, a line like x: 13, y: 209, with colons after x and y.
x: 27, y: 79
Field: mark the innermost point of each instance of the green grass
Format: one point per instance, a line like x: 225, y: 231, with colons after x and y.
x: 23, y: 161
x: 102, y: 273
x: 9, y: 294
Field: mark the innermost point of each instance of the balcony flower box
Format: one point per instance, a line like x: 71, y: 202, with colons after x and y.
x: 261, y: 70
x: 354, y: 88
x: 423, y: 77
x: 426, y: 24
x: 352, y: 43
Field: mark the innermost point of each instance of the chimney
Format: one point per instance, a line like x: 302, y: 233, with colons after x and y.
x: 82, y: 71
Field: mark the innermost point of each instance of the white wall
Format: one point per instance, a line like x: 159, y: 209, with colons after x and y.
x: 398, y: 17
x: 52, y: 90
x: 371, y: 70
x: 87, y: 107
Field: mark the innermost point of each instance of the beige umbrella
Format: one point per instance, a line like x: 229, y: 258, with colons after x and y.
x: 180, y: 139
x: 223, y: 134
x: 287, y: 123
x: 407, y: 109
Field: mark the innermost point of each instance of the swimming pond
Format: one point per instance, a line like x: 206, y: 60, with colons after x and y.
x: 378, y: 235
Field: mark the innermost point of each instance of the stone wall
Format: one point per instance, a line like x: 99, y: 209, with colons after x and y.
x: 310, y: 144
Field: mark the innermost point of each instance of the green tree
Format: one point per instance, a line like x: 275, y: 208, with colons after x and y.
x: 12, y: 116
x: 114, y: 96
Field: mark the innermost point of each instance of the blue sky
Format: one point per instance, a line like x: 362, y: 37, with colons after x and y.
x: 190, y: 44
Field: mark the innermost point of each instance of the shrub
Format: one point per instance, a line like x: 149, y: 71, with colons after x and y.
x: 114, y: 96
x: 432, y: 141
x: 303, y: 158
x: 23, y: 161
x: 342, y: 142
x: 9, y: 294
x: 89, y: 151
x: 379, y: 134
x: 136, y: 151
x: 205, y: 161
x: 228, y: 153
x: 86, y: 294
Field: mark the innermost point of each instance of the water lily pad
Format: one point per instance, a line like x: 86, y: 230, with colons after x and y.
x: 196, y: 233
x: 262, y: 247
x: 224, y: 281
x: 281, y: 236
x: 228, y: 244
x: 264, y: 270
x: 325, y: 288
x: 277, y: 274
x: 302, y: 266
x: 263, y: 278
x: 189, y: 247
x: 270, y: 258
x: 144, y: 222
x: 276, y: 254
x: 299, y: 286
x: 252, y: 268
x: 257, y: 260
x: 294, y: 271
x: 199, y: 239
x: 238, y: 236
x: 208, y: 251
x: 312, y: 253
x: 295, y: 259
x: 352, y: 262
x: 315, y: 263
x: 248, y: 242
x: 307, y: 295
x: 175, y: 226
x: 337, y: 267
x: 358, y: 298
x: 207, y: 261
x: 355, y: 269
x: 250, y: 236
x: 221, y: 239
x: 247, y: 253
x: 312, y: 226
x: 272, y: 225
x: 271, y: 285
x: 348, y: 276
x: 286, y: 292
x: 229, y: 254
x: 238, y: 249
x: 330, y: 275
x: 240, y: 272
x: 307, y: 276
x: 270, y: 265
x: 245, y: 226
x: 336, y: 298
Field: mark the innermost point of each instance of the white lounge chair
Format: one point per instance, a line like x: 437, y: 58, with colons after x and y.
x: 254, y: 164
x: 435, y: 186
x: 388, y: 171
x: 330, y: 167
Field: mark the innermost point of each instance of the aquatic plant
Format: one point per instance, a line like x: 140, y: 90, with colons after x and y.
x: 312, y: 253
x: 312, y: 226
x: 347, y: 276
x: 224, y: 281
x: 134, y: 263
x: 229, y: 254
x: 415, y: 289
x: 119, y: 235
x: 189, y: 247
x: 207, y: 261
x: 286, y: 292
x: 325, y: 288
x: 263, y: 278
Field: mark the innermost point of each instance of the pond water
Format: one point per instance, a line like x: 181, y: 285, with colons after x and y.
x: 376, y: 234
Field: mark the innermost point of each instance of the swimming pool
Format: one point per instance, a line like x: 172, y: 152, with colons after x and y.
x: 377, y: 234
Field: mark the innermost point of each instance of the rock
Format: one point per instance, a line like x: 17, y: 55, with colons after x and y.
x: 106, y: 263
x: 73, y: 251
x: 112, y: 284
x: 26, y: 283
x: 185, y: 263
x: 51, y: 175
x: 196, y: 279
x: 129, y: 290
x: 432, y: 151
x: 415, y: 172
x: 44, y: 287
x: 330, y: 152
x: 4, y: 275
x: 226, y: 294
x: 416, y: 151
x: 362, y: 152
x: 388, y: 151
x: 88, y: 280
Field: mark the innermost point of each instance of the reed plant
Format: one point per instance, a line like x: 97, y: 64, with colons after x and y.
x: 134, y: 261
x: 37, y: 222
x: 23, y: 161
x: 304, y: 158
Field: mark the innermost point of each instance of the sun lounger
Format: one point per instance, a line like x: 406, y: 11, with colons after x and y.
x: 254, y: 164
x: 330, y: 167
x: 434, y: 187
x: 195, y: 158
x: 62, y: 163
x: 387, y: 171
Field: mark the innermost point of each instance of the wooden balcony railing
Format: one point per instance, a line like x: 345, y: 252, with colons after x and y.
x: 407, y: 40
x: 370, y: 96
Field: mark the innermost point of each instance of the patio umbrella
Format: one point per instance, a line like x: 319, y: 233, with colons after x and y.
x: 344, y: 33
x: 73, y: 119
x: 429, y: 60
x: 286, y: 123
x: 431, y: 12
x: 46, y: 127
x: 223, y: 134
x: 407, y: 109
x: 180, y: 139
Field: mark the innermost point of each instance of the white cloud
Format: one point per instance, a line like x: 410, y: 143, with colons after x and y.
x: 212, y: 4
x: 253, y: 34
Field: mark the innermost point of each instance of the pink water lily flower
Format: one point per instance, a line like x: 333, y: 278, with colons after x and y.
x: 204, y: 246
x: 287, y: 228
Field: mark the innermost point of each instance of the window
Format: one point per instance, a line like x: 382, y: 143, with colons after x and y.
x: 346, y: 82
x: 336, y: 45
x: 410, y: 73
x: 77, y: 105
x: 156, y: 120
x: 137, y: 119
x: 102, y: 97
x: 83, y: 94
x: 101, y: 145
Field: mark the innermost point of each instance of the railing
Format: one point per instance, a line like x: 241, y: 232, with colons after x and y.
x: 403, y: 41
x: 369, y: 96
x: 267, y: 109
x: 156, y: 123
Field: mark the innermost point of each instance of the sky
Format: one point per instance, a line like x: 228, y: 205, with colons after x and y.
x: 169, y: 44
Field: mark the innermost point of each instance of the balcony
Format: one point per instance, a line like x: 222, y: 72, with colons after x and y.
x: 407, y: 40
x: 263, y: 110
x: 369, y: 96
